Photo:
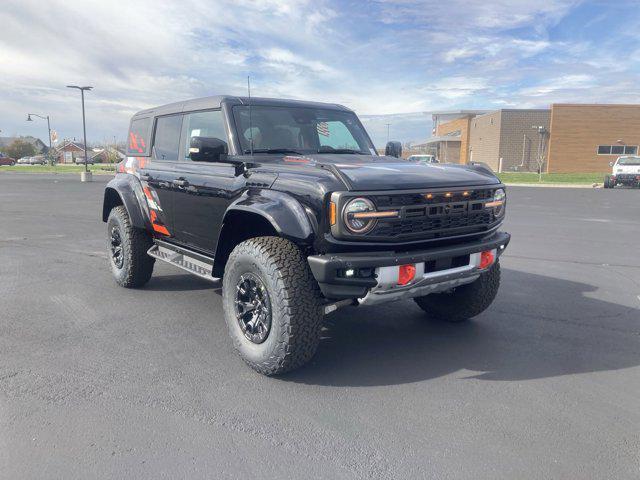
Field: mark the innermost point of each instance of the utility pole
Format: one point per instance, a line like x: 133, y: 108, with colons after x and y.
x: 388, y: 125
x: 84, y: 129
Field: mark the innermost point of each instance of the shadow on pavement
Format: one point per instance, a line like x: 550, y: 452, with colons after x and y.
x: 178, y: 283
x: 538, y: 327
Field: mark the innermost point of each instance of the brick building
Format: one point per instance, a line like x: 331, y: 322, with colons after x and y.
x: 585, y: 138
x: 510, y: 139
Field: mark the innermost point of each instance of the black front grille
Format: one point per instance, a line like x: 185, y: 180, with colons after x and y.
x: 435, y: 215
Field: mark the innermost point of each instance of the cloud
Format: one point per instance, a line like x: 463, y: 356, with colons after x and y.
x: 382, y: 57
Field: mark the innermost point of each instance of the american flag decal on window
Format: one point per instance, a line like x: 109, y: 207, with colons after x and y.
x: 323, y: 129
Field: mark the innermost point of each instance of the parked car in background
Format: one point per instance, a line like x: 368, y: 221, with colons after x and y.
x: 80, y: 161
x: 37, y: 160
x: 624, y: 171
x: 423, y: 159
x: 5, y: 160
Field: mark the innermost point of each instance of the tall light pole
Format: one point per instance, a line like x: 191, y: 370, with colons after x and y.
x: 29, y: 119
x: 388, y: 125
x: 84, y: 124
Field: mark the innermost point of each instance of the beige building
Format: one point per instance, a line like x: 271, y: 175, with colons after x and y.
x: 566, y: 138
x: 510, y: 139
x: 585, y: 138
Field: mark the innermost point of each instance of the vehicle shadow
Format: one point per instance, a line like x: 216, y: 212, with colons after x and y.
x: 538, y: 327
x: 178, y: 283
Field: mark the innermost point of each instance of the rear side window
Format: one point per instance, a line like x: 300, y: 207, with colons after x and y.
x: 166, y: 140
x: 139, y: 137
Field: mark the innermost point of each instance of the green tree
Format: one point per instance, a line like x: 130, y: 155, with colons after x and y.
x: 20, y: 148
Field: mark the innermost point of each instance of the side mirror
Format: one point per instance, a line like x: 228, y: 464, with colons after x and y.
x: 611, y: 164
x: 207, y: 149
x: 393, y: 149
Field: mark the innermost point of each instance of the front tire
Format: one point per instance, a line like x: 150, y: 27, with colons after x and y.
x: 465, y: 301
x: 127, y: 248
x: 271, y: 305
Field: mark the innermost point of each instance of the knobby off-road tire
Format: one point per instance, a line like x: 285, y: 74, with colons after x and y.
x: 465, y: 301
x: 135, y: 267
x: 294, y: 298
x: 608, y: 183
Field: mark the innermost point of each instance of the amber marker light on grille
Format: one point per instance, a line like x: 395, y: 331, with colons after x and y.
x: 448, y: 195
x: 428, y: 196
x: 465, y: 194
x: 495, y: 203
x: 388, y: 214
x: 332, y: 213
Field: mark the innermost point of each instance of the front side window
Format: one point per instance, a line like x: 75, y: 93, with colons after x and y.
x: 272, y: 129
x: 202, y: 124
x: 167, y: 138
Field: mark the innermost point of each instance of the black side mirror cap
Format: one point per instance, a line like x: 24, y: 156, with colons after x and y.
x: 207, y: 149
x: 393, y: 149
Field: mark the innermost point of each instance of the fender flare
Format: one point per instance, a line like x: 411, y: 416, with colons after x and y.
x: 129, y: 190
x: 286, y: 215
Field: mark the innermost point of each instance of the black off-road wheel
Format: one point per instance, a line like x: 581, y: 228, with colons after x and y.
x: 271, y: 305
x: 127, y: 248
x: 463, y: 302
x: 608, y: 182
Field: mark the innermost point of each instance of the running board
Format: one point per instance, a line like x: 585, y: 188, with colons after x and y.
x: 177, y: 256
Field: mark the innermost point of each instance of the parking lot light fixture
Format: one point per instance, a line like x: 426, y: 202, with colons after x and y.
x: 46, y: 117
x: 84, y: 124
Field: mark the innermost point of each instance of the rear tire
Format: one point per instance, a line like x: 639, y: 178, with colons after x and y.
x: 127, y: 248
x: 464, y: 302
x: 276, y: 327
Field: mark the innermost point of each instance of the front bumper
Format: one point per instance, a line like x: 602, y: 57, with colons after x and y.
x: 329, y: 269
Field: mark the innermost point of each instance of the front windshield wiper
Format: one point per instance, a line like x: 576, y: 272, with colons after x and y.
x: 273, y: 150
x: 340, y: 150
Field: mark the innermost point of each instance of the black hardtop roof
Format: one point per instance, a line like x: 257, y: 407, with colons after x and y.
x: 216, y: 101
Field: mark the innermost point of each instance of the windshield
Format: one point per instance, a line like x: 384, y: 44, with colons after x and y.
x: 629, y: 161
x: 300, y: 130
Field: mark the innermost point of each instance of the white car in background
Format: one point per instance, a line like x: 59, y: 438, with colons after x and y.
x: 625, y: 171
x: 423, y: 159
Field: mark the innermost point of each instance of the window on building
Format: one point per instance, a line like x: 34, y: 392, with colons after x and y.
x: 617, y: 149
x: 167, y: 138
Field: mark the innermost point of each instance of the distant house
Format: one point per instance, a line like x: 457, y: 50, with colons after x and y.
x: 40, y: 146
x: 106, y: 155
x: 69, y: 152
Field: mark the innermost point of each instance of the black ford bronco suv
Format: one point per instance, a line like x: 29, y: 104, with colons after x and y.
x: 289, y: 204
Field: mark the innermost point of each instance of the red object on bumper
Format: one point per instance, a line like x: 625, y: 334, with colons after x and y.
x: 406, y: 273
x: 486, y: 259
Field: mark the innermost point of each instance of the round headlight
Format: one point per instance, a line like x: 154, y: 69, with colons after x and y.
x: 501, y: 198
x: 351, y: 220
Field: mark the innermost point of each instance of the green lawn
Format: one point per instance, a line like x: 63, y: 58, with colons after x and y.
x: 98, y: 168
x: 584, y: 178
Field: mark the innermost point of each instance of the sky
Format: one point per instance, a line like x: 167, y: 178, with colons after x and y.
x: 392, y: 61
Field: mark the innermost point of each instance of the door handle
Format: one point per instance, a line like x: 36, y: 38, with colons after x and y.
x: 180, y: 182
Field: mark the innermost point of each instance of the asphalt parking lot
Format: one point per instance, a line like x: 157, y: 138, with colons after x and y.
x: 101, y: 382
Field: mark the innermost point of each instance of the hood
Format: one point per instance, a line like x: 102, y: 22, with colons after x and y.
x: 365, y: 172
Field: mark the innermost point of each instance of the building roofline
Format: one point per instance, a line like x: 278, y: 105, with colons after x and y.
x: 630, y: 105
